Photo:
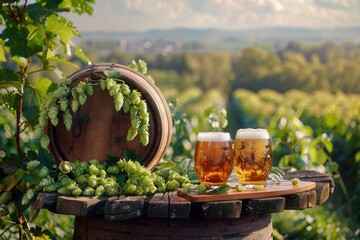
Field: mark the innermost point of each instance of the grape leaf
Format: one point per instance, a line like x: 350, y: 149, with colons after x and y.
x: 39, y: 13
x: 30, y: 106
x: 9, y: 78
x: 42, y: 87
x: 112, y: 74
x: 16, y: 39
x: 60, y: 27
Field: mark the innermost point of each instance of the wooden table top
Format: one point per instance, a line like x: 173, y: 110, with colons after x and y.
x: 314, y: 189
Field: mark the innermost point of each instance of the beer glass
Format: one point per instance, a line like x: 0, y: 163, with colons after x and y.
x: 213, y: 157
x: 252, y: 156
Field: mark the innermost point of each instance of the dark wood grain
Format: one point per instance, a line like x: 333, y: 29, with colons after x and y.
x: 124, y: 208
x: 81, y: 206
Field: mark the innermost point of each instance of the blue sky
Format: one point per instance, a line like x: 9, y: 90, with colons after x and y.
x: 139, y: 15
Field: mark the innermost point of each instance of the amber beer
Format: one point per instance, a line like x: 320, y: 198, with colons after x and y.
x: 213, y: 157
x: 252, y: 156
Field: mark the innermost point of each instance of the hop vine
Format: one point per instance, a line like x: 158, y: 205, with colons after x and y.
x: 59, y: 103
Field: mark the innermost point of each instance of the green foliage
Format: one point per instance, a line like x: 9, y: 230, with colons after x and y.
x: 34, y: 37
x: 310, y: 131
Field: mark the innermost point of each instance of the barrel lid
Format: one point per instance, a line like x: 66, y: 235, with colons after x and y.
x: 99, y: 131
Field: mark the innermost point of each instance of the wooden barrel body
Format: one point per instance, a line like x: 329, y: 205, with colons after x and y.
x: 251, y: 227
x: 98, y: 131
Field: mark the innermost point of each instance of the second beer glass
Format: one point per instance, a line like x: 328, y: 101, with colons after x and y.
x: 252, y: 156
x: 213, y: 157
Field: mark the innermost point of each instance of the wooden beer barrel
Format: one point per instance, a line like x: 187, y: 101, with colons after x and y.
x: 99, y: 131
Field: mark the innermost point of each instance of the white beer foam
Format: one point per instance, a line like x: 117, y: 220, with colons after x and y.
x: 252, y: 133
x: 213, y: 137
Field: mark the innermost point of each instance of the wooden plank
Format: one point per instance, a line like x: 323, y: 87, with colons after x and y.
x: 217, y: 210
x: 312, y: 176
x: 264, y: 205
x: 179, y: 207
x: 301, y: 201
x: 158, y: 206
x: 81, y: 206
x: 124, y: 208
x: 45, y: 200
x: 272, y: 190
x: 322, y: 192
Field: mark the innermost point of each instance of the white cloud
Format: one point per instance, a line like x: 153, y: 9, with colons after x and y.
x: 136, y: 15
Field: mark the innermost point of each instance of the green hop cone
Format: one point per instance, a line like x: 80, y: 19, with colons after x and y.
x: 125, y: 90
x: 135, y: 97
x: 89, y: 90
x: 82, y: 180
x: 186, y: 188
x: 130, y: 167
x: 108, y: 183
x: 66, y: 166
x: 113, y: 169
x: 99, y: 191
x: 172, y: 185
x: 50, y: 188
x: 130, y: 188
x: 79, y: 88
x: 43, y: 172
x: 4, y: 210
x: 201, y: 188
x: 110, y: 192
x: 67, y: 118
x: 161, y: 187
x: 74, y: 105
x: 132, y: 132
x: 94, y: 170
x: 258, y: 187
x: 103, y: 84
x: 102, y: 173
x: 45, y: 141
x: 32, y: 165
x: 295, y: 181
x: 126, y: 105
x: 64, y: 104
x: 240, y: 188
x: 28, y: 196
x: 89, y: 191
x: 82, y: 99
x: 47, y: 181
x: 64, y: 180
x: 118, y: 101
x: 76, y: 192
x: 5, y: 197
x: 92, y: 181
